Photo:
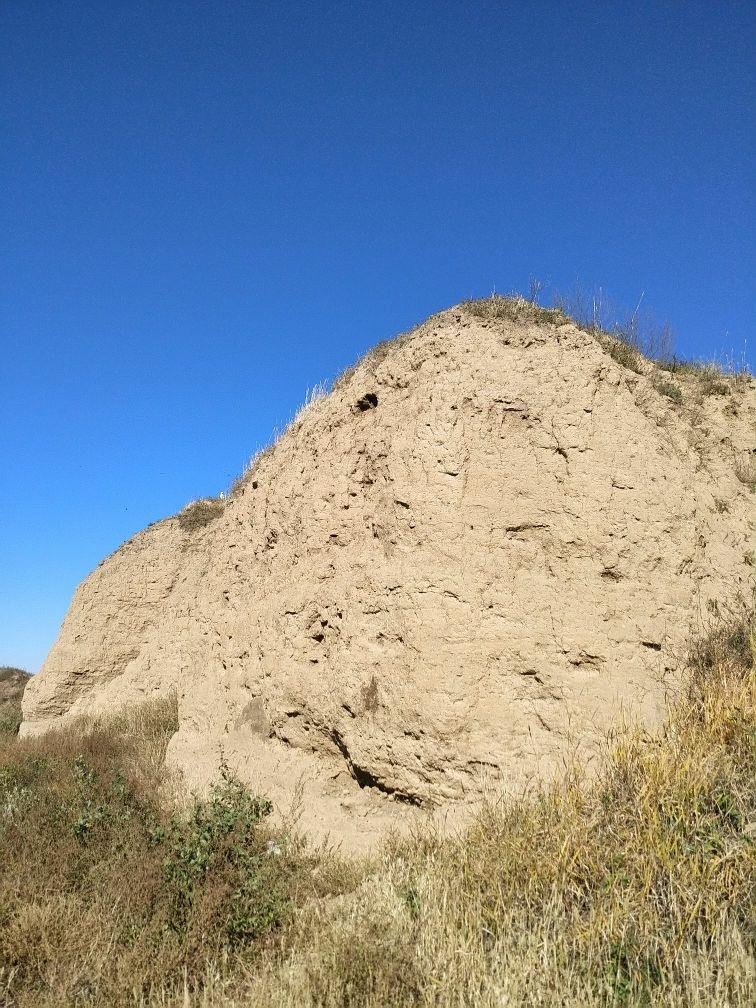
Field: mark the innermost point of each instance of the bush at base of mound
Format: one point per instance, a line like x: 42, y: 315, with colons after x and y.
x: 110, y: 884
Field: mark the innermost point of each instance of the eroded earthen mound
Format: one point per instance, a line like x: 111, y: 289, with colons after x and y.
x: 489, y: 539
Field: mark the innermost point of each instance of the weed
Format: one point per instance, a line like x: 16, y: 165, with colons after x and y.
x: 710, y: 386
x: 10, y: 720
x: 12, y: 684
x: 632, y: 890
x: 220, y: 840
x: 622, y: 353
x: 594, y: 312
x: 670, y: 390
x: 514, y: 308
x: 200, y: 513
x: 710, y: 377
x: 134, y: 889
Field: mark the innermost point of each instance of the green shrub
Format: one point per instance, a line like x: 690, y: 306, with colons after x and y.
x: 670, y: 390
x: 109, y: 887
x: 220, y: 840
x: 630, y: 887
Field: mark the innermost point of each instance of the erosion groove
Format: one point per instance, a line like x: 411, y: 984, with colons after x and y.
x: 365, y: 779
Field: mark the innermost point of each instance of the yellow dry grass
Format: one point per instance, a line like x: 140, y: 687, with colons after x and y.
x: 633, y: 889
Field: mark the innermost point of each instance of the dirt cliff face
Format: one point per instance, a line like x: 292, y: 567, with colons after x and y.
x: 448, y: 574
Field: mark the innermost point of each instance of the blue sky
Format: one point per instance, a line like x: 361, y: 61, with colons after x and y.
x: 208, y: 207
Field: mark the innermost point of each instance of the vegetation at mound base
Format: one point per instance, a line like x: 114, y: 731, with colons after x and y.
x: 635, y: 888
x: 12, y: 683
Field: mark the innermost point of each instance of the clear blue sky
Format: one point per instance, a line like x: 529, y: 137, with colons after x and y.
x: 208, y: 207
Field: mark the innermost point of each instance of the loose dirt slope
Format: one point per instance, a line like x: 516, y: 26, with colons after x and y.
x: 485, y: 542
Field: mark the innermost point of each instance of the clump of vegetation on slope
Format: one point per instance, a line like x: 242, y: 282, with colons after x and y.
x: 12, y: 683
x: 633, y: 889
x: 634, y: 337
x: 200, y: 513
x: 515, y: 308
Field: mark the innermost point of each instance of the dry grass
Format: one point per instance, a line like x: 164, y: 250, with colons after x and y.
x: 620, y: 351
x: 248, y: 476
x: 514, y: 308
x: 636, y: 889
x: 634, y: 340
x: 670, y: 390
x: 713, y: 378
x: 199, y: 513
x: 109, y: 888
x: 312, y: 396
x: 12, y: 683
